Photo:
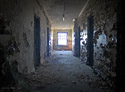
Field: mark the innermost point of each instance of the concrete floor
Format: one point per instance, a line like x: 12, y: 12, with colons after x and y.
x: 63, y: 72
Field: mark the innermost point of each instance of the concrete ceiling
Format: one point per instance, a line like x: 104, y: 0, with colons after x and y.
x: 56, y: 8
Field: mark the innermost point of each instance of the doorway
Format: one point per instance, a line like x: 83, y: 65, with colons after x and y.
x: 90, y: 49
x: 77, y: 41
x: 36, y: 41
x: 48, y: 42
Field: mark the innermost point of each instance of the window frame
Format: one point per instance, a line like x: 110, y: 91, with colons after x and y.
x: 66, y: 39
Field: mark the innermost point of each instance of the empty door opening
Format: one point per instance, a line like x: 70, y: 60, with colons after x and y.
x: 90, y: 40
x: 36, y: 41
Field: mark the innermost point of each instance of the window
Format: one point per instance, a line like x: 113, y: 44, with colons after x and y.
x: 62, y: 38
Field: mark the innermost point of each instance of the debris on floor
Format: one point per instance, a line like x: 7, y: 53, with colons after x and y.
x: 64, y: 75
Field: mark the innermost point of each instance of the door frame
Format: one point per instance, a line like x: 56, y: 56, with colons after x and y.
x: 90, y: 48
x: 36, y: 40
x: 48, y: 39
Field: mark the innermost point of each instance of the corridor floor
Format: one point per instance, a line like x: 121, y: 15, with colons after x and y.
x: 63, y: 72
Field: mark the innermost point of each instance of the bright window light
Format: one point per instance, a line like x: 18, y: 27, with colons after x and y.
x: 62, y: 38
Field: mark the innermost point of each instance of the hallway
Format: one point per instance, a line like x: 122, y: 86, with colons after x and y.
x: 59, y: 45
x: 63, y: 72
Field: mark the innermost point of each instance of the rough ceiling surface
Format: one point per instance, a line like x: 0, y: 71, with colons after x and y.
x: 56, y: 9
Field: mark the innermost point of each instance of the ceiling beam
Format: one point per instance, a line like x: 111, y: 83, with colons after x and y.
x: 83, y: 8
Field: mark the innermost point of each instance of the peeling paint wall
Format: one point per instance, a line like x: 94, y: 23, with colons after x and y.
x: 83, y: 45
x: 105, y: 37
x: 76, y: 37
x: 19, y: 15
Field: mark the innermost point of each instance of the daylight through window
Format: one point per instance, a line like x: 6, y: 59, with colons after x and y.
x: 62, y: 38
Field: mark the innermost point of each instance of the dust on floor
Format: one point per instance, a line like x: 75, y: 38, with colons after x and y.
x: 62, y: 72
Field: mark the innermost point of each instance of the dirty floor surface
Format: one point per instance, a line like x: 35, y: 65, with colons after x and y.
x: 63, y: 72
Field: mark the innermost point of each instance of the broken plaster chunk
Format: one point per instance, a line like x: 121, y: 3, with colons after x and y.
x: 108, y: 60
x: 25, y: 40
x: 74, y: 82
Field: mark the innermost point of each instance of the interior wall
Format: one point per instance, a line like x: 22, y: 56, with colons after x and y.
x: 19, y: 15
x: 76, y: 39
x: 73, y: 39
x: 44, y: 23
x: 51, y: 37
x: 69, y: 46
x: 104, y: 36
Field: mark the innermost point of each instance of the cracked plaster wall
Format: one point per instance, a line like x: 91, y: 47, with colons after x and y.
x: 105, y: 36
x: 20, y: 17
